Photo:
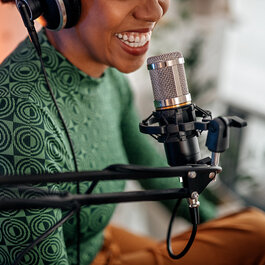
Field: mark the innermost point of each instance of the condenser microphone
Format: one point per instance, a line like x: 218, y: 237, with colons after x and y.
x: 169, y: 81
x: 173, y: 105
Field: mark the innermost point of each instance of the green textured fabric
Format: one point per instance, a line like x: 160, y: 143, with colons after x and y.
x: 104, y: 129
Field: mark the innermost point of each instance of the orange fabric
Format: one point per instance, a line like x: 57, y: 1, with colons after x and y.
x: 237, y: 239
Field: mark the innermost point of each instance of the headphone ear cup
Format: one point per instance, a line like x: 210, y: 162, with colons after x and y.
x: 73, y: 10
x: 60, y: 14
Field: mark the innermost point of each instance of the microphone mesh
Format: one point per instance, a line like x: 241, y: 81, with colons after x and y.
x: 168, y: 82
x: 164, y: 57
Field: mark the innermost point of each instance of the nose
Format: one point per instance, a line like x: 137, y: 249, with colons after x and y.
x: 150, y: 10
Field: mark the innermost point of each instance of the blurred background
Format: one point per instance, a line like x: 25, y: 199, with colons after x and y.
x: 223, y: 44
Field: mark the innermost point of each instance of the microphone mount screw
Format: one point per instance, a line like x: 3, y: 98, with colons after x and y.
x: 212, y: 175
x: 192, y: 174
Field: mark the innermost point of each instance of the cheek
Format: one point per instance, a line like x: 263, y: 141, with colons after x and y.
x: 92, y: 16
x: 92, y: 29
x: 165, y: 5
x: 98, y: 28
x: 101, y: 14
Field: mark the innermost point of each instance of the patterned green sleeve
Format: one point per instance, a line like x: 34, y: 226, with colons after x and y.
x: 140, y: 150
x: 22, y: 151
x: 19, y: 228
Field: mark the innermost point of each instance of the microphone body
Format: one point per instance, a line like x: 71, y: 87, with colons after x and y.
x: 173, y: 107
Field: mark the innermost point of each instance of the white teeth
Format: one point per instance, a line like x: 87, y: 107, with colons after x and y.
x: 134, y: 39
x: 131, y: 38
x: 137, y: 39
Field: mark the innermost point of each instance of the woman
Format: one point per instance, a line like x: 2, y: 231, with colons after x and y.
x: 83, y: 64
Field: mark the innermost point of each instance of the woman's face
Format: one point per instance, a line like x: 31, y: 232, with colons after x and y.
x: 116, y: 33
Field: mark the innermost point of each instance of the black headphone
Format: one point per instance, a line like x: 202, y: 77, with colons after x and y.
x: 58, y: 14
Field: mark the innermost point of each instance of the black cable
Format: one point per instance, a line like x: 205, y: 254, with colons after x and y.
x: 26, y: 15
x: 24, y: 11
x: 92, y: 186
x: 59, y: 113
x: 73, y: 154
x: 43, y: 236
x: 195, y: 221
x: 29, y: 24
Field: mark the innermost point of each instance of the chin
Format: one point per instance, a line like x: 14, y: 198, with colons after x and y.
x: 129, y: 68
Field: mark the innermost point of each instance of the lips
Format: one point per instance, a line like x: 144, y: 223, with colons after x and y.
x: 134, y: 43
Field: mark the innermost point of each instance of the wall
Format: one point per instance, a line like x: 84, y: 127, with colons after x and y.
x: 12, y: 29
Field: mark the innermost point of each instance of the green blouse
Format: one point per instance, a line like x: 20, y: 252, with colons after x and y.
x: 103, y: 126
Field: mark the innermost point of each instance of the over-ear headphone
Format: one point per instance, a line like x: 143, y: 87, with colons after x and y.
x: 57, y: 14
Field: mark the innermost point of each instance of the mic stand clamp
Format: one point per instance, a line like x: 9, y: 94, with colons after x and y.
x: 219, y: 135
x: 218, y: 130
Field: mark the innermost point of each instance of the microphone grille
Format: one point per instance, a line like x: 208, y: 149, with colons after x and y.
x: 164, y: 57
x: 168, y: 81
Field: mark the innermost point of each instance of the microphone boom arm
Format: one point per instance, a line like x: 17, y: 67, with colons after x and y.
x: 196, y: 177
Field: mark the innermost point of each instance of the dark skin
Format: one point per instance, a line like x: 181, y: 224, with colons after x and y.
x: 113, y: 33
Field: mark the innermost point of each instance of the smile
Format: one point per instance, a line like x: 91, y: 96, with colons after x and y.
x: 134, y: 39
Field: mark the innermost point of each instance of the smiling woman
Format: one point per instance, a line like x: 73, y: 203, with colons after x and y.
x: 109, y: 33
x: 88, y: 122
